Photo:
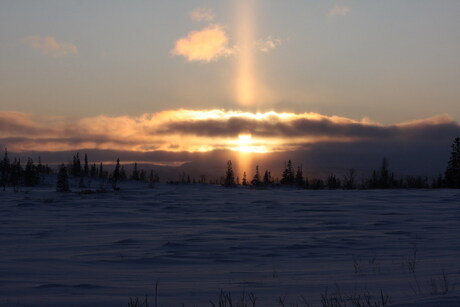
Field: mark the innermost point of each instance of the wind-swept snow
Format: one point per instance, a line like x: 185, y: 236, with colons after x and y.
x: 100, y: 249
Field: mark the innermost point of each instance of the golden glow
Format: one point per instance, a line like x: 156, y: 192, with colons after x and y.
x: 245, y: 79
x: 245, y: 139
x: 206, y: 45
x: 246, y: 144
x: 171, y: 131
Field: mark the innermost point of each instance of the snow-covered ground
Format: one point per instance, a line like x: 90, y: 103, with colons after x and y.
x: 196, y: 240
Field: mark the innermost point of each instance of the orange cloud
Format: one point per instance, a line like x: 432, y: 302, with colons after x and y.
x: 207, y: 130
x: 206, y: 45
x: 50, y: 46
x: 202, y: 14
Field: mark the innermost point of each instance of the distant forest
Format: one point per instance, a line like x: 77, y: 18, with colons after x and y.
x: 13, y: 174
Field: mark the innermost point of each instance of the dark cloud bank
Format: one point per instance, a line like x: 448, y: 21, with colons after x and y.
x: 417, y: 148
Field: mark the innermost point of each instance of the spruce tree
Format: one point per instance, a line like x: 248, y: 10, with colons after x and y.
x: 135, y: 175
x: 386, y: 178
x: 333, y: 182
x: 76, y: 165
x: 267, y: 178
x: 93, y: 170
x: 452, y: 174
x: 349, y: 180
x: 151, y: 179
x: 299, y: 177
x: 15, y: 173
x: 62, y: 183
x: 40, y: 167
x: 115, y: 175
x: 230, y: 176
x: 245, y: 181
x: 288, y: 174
x: 31, y: 176
x: 101, y: 171
x: 143, y: 175
x: 256, y: 179
x: 5, y: 170
x: 86, y: 169
x: 123, y: 173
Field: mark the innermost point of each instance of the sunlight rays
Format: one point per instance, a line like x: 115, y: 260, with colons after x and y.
x: 245, y: 77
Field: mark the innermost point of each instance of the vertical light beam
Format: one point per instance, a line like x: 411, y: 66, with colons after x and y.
x: 245, y: 79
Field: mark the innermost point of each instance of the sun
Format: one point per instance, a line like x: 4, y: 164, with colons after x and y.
x: 246, y: 143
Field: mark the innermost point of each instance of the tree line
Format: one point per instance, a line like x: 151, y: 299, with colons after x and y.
x: 381, y: 178
x: 86, y: 173
x: 14, y: 174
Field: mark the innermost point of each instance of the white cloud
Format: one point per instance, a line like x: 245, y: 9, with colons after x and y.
x: 50, y: 46
x: 202, y: 14
x: 267, y: 44
x: 338, y: 10
x: 206, y: 45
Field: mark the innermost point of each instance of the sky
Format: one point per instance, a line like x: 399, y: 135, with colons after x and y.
x: 243, y: 75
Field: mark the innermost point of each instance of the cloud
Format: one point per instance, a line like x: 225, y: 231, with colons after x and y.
x: 212, y: 43
x: 202, y: 14
x: 308, y: 127
x: 320, y: 142
x: 207, y: 130
x: 338, y: 10
x: 206, y: 45
x: 50, y: 46
x: 267, y: 44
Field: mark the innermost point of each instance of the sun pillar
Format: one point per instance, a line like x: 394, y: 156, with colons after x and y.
x: 245, y: 79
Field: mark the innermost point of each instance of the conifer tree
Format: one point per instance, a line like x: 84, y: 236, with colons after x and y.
x: 288, y: 174
x: 452, y: 174
x: 386, y: 180
x: 62, y: 183
x: 93, y: 170
x: 123, y: 173
x: 76, y: 165
x: 5, y: 170
x: 333, y: 182
x: 15, y: 173
x: 135, y: 175
x: 316, y: 184
x: 256, y: 179
x: 40, y: 167
x: 374, y: 181
x: 143, y: 175
x: 101, y: 171
x: 151, y: 179
x: 267, y: 178
x: 349, y: 180
x: 115, y: 175
x: 245, y: 181
x: 86, y: 169
x: 31, y: 176
x: 230, y: 176
x: 299, y: 177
